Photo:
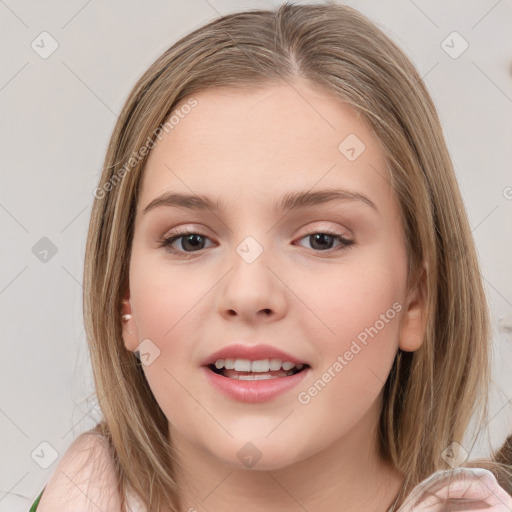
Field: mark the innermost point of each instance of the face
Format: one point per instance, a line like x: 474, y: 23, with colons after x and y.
x: 324, y: 281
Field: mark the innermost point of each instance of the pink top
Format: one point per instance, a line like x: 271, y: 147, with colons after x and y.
x: 461, y: 489
x: 464, y: 489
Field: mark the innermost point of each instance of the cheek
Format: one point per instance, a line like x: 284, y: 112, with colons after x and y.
x: 168, y: 309
x: 167, y: 305
x: 166, y: 298
x: 356, y: 322
x: 352, y: 301
x: 363, y: 314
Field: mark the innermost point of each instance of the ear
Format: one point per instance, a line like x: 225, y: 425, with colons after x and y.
x: 130, y: 336
x: 414, y: 319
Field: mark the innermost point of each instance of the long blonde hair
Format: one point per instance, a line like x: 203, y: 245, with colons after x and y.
x: 431, y: 394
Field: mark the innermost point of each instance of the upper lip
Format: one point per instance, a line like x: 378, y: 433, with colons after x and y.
x: 251, y: 352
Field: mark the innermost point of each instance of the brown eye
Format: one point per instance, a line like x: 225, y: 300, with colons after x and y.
x: 323, y: 241
x: 191, y: 242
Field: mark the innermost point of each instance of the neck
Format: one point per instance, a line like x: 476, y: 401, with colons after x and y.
x: 349, y: 475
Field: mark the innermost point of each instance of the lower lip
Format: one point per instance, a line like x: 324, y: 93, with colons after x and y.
x: 251, y: 391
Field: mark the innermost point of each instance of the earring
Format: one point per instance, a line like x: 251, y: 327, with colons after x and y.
x: 127, y: 316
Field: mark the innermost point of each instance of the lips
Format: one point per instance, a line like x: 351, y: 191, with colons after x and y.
x: 253, y: 391
x: 258, y: 384
x: 251, y: 352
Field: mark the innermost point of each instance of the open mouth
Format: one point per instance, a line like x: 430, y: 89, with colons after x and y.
x: 245, y: 369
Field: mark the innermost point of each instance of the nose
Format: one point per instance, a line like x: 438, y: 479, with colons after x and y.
x: 253, y: 289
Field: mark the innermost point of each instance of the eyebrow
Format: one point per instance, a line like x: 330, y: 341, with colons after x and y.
x: 290, y: 201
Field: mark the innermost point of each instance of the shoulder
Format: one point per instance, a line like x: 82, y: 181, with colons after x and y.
x: 84, y: 479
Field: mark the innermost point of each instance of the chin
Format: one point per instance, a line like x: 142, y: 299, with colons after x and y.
x: 261, y: 454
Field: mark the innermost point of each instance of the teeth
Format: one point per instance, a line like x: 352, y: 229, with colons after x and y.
x: 242, y: 365
x: 256, y: 377
x: 259, y: 366
x: 275, y: 364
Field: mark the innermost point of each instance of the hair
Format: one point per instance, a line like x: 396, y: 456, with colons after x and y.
x: 432, y: 394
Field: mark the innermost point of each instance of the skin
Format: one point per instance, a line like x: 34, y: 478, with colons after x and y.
x: 249, y: 148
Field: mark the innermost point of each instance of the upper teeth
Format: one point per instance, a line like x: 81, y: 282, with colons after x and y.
x: 262, y: 365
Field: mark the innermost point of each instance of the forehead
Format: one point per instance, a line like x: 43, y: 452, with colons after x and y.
x: 255, y: 144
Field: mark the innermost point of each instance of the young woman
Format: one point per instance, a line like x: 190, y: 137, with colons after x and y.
x: 281, y: 292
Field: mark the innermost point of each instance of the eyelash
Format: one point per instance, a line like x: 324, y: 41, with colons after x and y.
x: 166, y: 242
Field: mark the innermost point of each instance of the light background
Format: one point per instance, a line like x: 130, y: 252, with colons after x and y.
x: 57, y: 117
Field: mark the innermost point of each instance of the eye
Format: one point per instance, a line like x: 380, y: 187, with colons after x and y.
x: 320, y: 240
x: 191, y: 240
x: 194, y: 242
